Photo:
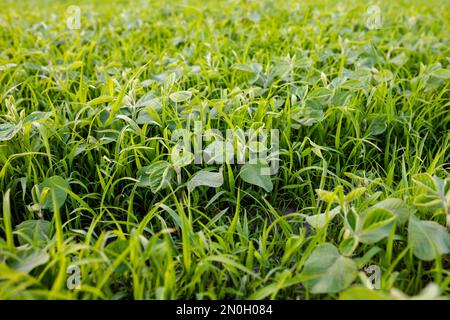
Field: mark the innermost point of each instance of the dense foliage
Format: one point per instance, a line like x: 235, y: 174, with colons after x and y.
x: 99, y: 202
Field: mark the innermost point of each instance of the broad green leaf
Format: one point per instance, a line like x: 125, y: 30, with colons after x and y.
x: 149, y: 100
x: 180, y: 96
x: 257, y: 174
x: 351, y: 220
x: 377, y: 124
x: 219, y: 152
x: 332, y: 272
x: 113, y: 250
x: 148, y: 115
x: 354, y: 84
x: 205, y: 178
x: 160, y: 174
x: 397, y: 206
x: 180, y: 157
x: 425, y: 180
x: 255, y: 70
x: 37, y: 116
x: 375, y: 218
x: 441, y: 74
x: 8, y: 131
x: 318, y: 221
x: 307, y: 115
x: 157, y: 176
x: 362, y: 75
x: 428, y: 239
x: 433, y: 193
x: 318, y: 96
x: 30, y: 261
x: 348, y: 246
x: 431, y: 292
x: 428, y: 203
x: 384, y: 76
x: 399, y: 60
x: 254, y: 16
x: 142, y: 177
x: 374, y: 225
x: 33, y: 232
x: 57, y: 184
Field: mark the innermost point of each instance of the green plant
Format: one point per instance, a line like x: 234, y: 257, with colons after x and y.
x: 99, y: 172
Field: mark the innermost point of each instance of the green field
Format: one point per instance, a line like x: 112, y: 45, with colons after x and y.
x: 118, y: 180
